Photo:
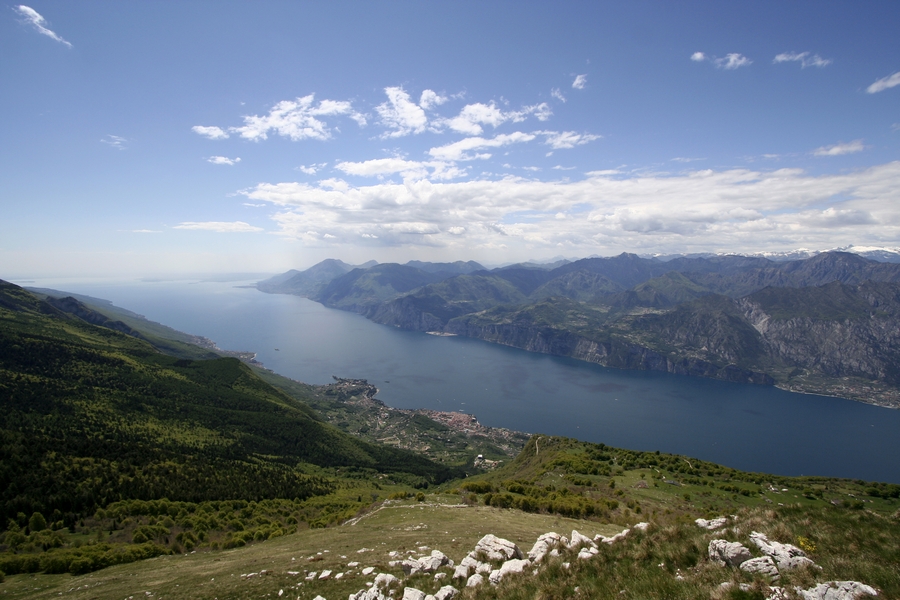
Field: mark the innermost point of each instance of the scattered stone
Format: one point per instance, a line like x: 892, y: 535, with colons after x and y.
x: 544, y: 544
x: 483, y: 568
x: 325, y: 574
x: 370, y: 594
x: 413, y: 594
x: 393, y: 554
x: 461, y: 572
x: 732, y: 554
x: 497, y: 548
x: 494, y: 577
x: 311, y: 576
x: 410, y: 566
x: 469, y: 561
x: 641, y: 526
x: 339, y: 576
x: 384, y: 580
x: 584, y: 553
x: 352, y: 564
x: 439, y: 576
x: 712, y: 524
x: 475, y: 580
x: 368, y: 570
x: 430, y: 564
x: 763, y: 564
x: 837, y: 590
x: 294, y: 573
x: 446, y: 593
x: 319, y: 598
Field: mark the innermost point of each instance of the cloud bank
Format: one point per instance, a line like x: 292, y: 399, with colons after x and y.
x: 604, y: 212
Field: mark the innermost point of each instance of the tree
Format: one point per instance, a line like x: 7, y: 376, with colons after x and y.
x: 37, y: 522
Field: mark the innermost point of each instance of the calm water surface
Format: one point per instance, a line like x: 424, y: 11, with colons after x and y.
x: 748, y: 427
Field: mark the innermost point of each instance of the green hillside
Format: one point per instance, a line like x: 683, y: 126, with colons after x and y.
x: 92, y: 416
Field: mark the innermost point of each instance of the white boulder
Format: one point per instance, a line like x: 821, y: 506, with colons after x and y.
x: 762, y: 564
x: 448, y: 592
x: 837, y: 590
x: 411, y: 593
x: 383, y: 580
x: 725, y: 553
x: 712, y: 524
x: 787, y: 556
x: 544, y: 544
x: 497, y: 548
x: 475, y: 580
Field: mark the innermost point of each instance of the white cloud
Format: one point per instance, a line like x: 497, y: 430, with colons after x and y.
x: 557, y: 94
x: 559, y: 140
x: 213, y: 133
x: 219, y: 226
x: 884, y: 83
x: 409, y: 169
x: 461, y: 150
x: 114, y: 141
x: 145, y: 231
x: 840, y: 149
x: 400, y: 114
x: 729, y: 61
x: 33, y: 18
x: 312, y: 169
x: 429, y: 99
x: 704, y: 210
x: 732, y: 61
x: 223, y: 160
x: 298, y: 119
x: 580, y: 82
x: 470, y: 120
x: 804, y: 58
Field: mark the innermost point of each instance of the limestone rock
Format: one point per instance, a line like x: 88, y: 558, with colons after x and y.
x: 461, y: 572
x: 515, y: 566
x: 837, y: 590
x: 368, y: 570
x: 725, y: 553
x: 494, y: 577
x: 787, y: 556
x: 411, y: 593
x: 430, y: 564
x: 763, y: 564
x: 584, y: 554
x: 712, y: 524
x: 372, y: 593
x: 612, y: 540
x: 383, y: 580
x: 469, y: 561
x: 577, y: 540
x: 641, y: 526
x: 448, y: 592
x: 544, y: 544
x: 497, y: 548
x: 411, y: 566
x: 475, y: 580
x: 483, y: 568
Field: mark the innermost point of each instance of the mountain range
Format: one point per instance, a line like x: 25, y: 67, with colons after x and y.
x: 824, y: 324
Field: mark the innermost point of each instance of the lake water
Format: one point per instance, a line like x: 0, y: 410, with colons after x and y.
x: 753, y: 428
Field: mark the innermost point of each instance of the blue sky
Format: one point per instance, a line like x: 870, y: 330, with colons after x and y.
x: 182, y: 137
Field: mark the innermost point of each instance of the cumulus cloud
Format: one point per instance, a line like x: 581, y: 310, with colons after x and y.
x: 429, y: 99
x: 840, y: 149
x: 33, y: 18
x: 557, y: 94
x: 219, y: 226
x: 115, y: 141
x: 804, y: 58
x: 698, y: 57
x: 580, y: 82
x: 705, y: 210
x: 213, y: 132
x: 884, y: 83
x: 299, y: 119
x: 400, y: 114
x: 223, y: 160
x: 472, y: 117
x: 462, y: 150
x: 311, y: 169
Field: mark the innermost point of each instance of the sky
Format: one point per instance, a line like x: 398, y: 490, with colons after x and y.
x: 159, y: 138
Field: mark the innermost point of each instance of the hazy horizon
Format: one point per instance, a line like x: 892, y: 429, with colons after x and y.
x: 142, y: 141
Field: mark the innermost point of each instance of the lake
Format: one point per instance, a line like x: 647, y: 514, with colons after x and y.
x: 753, y: 428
